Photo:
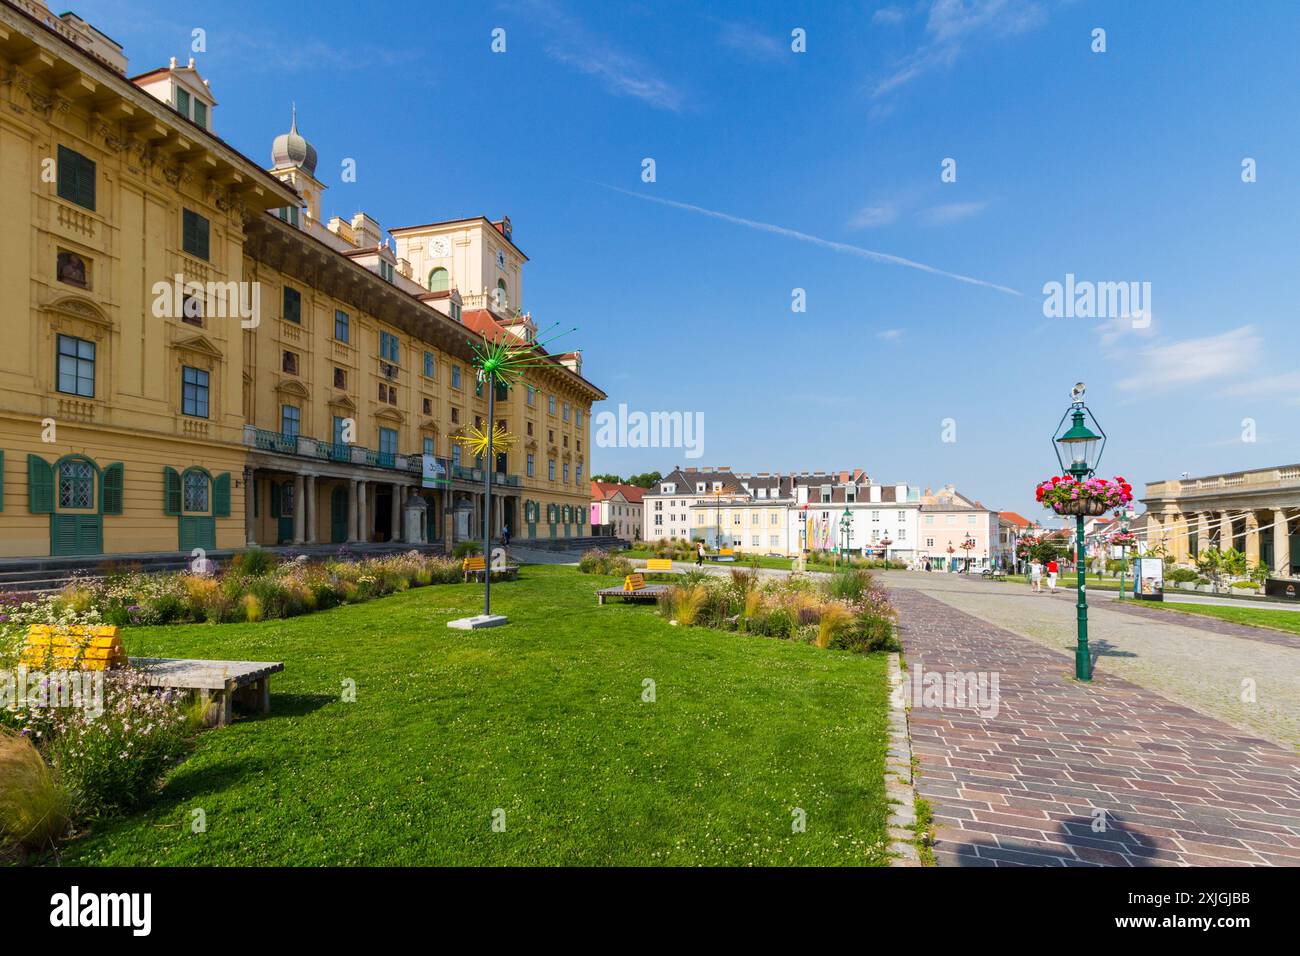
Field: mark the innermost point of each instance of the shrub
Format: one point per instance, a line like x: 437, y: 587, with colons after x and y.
x: 253, y: 562
x: 687, y: 602
x: 1245, y: 584
x: 112, y: 761
x: 850, y: 584
x: 34, y: 809
x: 867, y: 632
x: 1182, y: 575
x: 832, y: 619
x: 466, y: 549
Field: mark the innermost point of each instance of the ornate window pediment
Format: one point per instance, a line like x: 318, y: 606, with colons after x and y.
x: 198, y: 345
x: 79, y: 307
x: 390, y: 415
x: 291, y: 386
x: 343, y: 402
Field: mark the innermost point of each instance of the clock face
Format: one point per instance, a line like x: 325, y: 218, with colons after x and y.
x: 501, y: 259
x: 439, y: 247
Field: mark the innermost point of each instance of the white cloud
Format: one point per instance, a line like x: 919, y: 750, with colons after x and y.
x: 891, y: 16
x: 890, y: 335
x: 1196, y: 360
x: 623, y: 74
x: 1281, y: 384
x: 950, y: 212
x: 751, y: 42
x: 1111, y: 331
x: 815, y: 240
x: 950, y: 26
x: 869, y: 217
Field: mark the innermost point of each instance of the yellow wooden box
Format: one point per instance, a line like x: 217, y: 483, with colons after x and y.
x: 92, y: 648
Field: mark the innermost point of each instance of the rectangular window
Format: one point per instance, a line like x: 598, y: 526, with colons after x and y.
x: 292, y: 305
x: 194, y: 392
x: 429, y: 365
x: 342, y: 326
x: 340, y: 379
x: 388, y: 441
x: 76, y: 366
x: 428, y: 406
x: 390, y: 348
x: 194, y: 234
x: 340, y: 423
x: 455, y: 415
x: 455, y: 376
x: 455, y: 453
x: 566, y: 472
x: 428, y: 445
x: 183, y: 102
x: 196, y: 492
x: 550, y: 468
x: 566, y: 411
x: 201, y: 113
x: 578, y: 477
x: 290, y: 419
x: 386, y: 270
x: 550, y: 404
x: 532, y: 396
x: 577, y: 417
x: 530, y: 464
x: 289, y: 363
x: 76, y: 178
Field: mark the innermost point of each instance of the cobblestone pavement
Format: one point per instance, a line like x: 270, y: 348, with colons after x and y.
x: 1073, y: 774
x: 1199, y: 665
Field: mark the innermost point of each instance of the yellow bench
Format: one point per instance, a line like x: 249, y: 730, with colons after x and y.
x: 657, y: 566
x: 634, y: 582
x: 477, y: 566
x: 634, y: 589
x: 725, y: 553
x: 84, y: 647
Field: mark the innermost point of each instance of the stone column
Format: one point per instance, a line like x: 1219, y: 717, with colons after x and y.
x: 1202, y: 530
x: 1155, y: 530
x: 1182, y: 529
x: 1225, y: 531
x: 352, y: 511
x: 1281, y: 544
x: 250, y: 518
x: 299, y: 509
x: 363, y: 513
x: 1252, y: 538
x: 396, y: 533
x: 310, y: 509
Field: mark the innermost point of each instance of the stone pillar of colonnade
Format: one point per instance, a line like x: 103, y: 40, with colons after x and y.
x: 1252, y: 538
x: 1281, y: 543
x: 1155, y: 530
x: 363, y: 514
x: 250, y: 519
x: 353, y: 493
x: 1225, y: 530
x: 1179, y: 528
x: 395, y: 534
x: 309, y: 501
x: 299, y: 509
x: 1203, y: 530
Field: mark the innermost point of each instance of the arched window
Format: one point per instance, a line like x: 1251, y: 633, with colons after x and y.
x: 76, y: 484
x: 502, y: 298
x: 439, y: 280
x: 195, y: 491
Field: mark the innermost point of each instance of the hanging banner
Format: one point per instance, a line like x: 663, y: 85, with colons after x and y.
x: 432, y: 473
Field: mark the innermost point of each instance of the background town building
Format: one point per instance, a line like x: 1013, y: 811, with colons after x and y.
x: 616, y: 509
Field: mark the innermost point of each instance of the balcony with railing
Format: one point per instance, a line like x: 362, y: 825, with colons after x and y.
x: 300, y: 446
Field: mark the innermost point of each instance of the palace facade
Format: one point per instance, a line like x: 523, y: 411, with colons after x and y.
x: 194, y: 359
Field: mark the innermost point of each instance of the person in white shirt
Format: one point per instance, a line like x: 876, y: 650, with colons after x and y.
x: 1036, y: 575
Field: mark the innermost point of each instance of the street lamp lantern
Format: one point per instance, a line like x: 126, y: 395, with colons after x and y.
x: 885, y: 542
x: 846, y: 532
x: 1079, y: 448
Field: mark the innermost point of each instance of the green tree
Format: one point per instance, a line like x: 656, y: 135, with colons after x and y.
x: 611, y: 479
x: 647, y: 480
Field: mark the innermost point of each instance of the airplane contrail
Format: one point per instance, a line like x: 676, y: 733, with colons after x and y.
x: 815, y: 240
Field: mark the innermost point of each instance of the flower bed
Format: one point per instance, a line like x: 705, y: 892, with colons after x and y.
x: 848, y: 611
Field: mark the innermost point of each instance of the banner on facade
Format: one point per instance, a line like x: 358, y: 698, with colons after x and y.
x: 433, y: 473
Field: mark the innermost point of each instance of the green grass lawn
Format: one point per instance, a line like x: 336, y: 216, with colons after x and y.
x: 1288, y: 621
x: 543, y: 719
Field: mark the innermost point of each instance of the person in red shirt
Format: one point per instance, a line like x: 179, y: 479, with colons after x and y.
x: 1052, y: 571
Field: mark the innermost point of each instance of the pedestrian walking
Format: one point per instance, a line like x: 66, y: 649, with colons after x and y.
x: 699, y: 554
x: 1036, y: 575
x: 1053, y: 569
x: 505, y: 536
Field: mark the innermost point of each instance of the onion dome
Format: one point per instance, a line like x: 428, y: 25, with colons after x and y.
x: 290, y: 149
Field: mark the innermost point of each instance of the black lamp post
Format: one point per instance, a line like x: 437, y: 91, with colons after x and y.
x: 885, y: 542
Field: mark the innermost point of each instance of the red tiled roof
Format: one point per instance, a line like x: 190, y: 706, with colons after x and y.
x: 1020, y: 521
x: 604, y: 490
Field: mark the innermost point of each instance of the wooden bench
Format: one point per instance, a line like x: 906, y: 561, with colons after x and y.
x: 724, y: 554
x: 73, y: 647
x: 634, y: 589
x: 658, y: 566
x: 217, y: 683
x: 474, y: 567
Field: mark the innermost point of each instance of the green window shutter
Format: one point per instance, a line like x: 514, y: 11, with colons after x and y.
x: 171, y: 491
x: 221, y: 496
x: 194, y: 234
x: 76, y: 178
x: 40, y: 486
x: 111, y: 490
x: 275, y: 499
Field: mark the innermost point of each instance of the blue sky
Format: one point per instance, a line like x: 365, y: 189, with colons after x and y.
x: 1115, y: 166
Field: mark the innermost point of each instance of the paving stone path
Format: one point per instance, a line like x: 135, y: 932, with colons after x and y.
x: 1031, y: 784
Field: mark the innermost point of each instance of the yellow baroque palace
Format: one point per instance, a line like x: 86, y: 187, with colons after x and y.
x: 191, y: 358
